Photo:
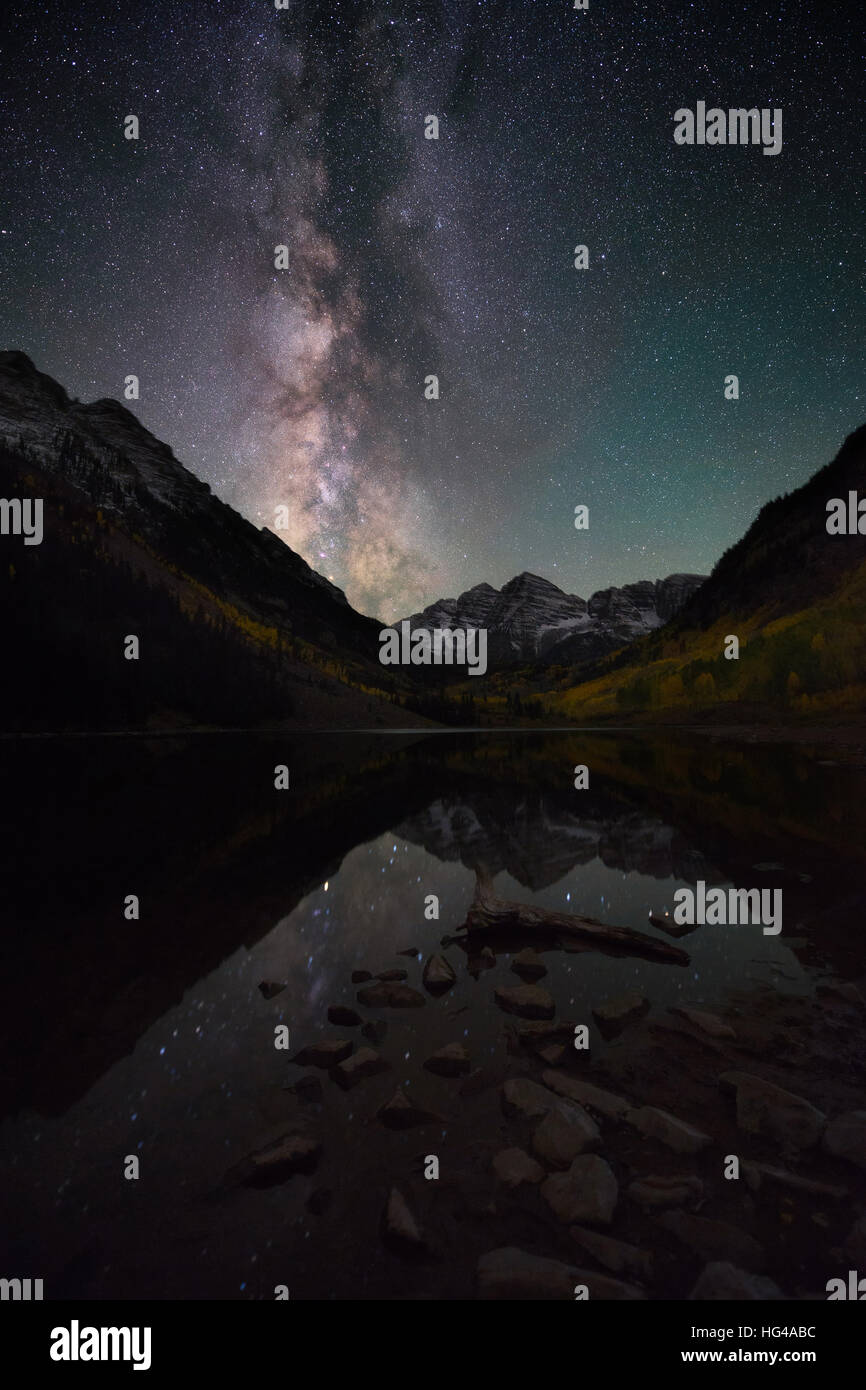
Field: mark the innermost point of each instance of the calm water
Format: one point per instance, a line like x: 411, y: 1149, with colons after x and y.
x: 152, y: 1038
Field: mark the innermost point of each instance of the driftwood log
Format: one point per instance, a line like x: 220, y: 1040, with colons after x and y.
x: 488, y: 913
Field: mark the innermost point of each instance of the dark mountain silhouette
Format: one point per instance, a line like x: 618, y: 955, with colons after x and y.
x: 793, y: 594
x: 234, y: 627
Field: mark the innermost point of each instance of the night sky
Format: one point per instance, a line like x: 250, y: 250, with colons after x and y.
x: 305, y: 387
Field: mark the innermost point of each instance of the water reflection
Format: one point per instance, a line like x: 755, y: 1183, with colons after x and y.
x: 154, y: 1039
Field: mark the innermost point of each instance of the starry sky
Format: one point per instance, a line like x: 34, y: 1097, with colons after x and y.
x: 304, y: 387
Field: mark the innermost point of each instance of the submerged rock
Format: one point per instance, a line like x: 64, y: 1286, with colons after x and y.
x: 343, y: 1016
x: 615, y: 1255
x: 768, y: 1110
x: 656, y: 1193
x: 365, y: 1063
x: 401, y: 1112
x: 529, y: 965
x: 614, y: 1015
x: 593, y: 1097
x: 523, y: 1097
x: 565, y: 1132
x: 438, y: 975
x: 667, y: 1129
x: 293, y: 1153
x: 527, y: 1001
x: 708, y: 1023
x: 758, y: 1173
x: 400, y: 1230
x: 512, y: 1274
x: 514, y: 1166
x: 586, y: 1194
x: 271, y: 988
x: 324, y: 1054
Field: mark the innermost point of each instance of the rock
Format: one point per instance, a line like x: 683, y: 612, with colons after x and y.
x: 513, y: 1167
x: 593, y: 1097
x: 552, y: 1055
x: 667, y: 924
x: 765, y: 1109
x: 410, y: 951
x: 616, y: 1014
x: 708, y: 1023
x: 319, y: 1201
x: 845, y: 1137
x: 512, y: 1274
x: 375, y: 1030
x: 526, y: 1098
x: 714, y: 1240
x: 309, y: 1088
x: 388, y: 995
x: 667, y: 1129
x: 401, y: 1112
x: 529, y: 965
x: 724, y: 1281
x: 393, y: 975
x: 324, y: 1054
x: 758, y: 1173
x: 587, y: 1193
x: 854, y: 1244
x: 437, y: 975
x: 360, y: 977
x: 452, y: 1060
x: 483, y: 960
x: 528, y: 1001
x: 655, y: 1193
x: 565, y: 1132
x: 613, y: 1254
x: 293, y: 1153
x: 271, y: 988
x: 365, y: 1063
x: 343, y: 1016
x: 399, y: 1228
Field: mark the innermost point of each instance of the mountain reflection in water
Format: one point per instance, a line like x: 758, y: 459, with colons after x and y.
x: 153, y: 1038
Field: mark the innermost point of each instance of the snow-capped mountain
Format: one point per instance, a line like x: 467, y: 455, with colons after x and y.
x: 531, y: 619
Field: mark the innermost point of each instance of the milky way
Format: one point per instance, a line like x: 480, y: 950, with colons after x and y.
x: 304, y: 387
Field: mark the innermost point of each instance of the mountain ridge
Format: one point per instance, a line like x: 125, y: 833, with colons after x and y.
x: 531, y: 619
